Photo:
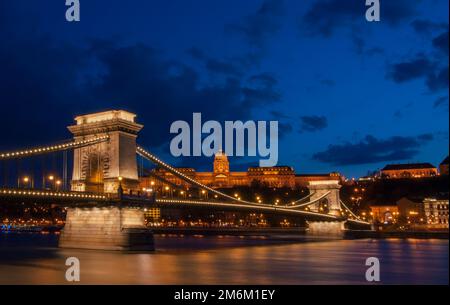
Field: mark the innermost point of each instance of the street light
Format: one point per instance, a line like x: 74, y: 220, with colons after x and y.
x: 26, y: 182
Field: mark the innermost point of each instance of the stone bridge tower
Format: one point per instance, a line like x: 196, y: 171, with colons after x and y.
x: 97, y: 168
x: 331, y: 202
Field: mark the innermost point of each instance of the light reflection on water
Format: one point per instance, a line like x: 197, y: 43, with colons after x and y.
x: 33, y: 259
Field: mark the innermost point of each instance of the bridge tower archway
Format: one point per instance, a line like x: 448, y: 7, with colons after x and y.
x: 98, y: 167
x: 328, y: 193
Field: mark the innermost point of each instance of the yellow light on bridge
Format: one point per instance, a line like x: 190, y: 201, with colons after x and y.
x: 26, y: 179
x: 51, y: 177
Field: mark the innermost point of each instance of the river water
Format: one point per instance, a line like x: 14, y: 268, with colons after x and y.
x: 35, y: 259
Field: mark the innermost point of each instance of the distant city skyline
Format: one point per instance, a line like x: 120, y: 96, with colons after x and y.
x: 350, y: 96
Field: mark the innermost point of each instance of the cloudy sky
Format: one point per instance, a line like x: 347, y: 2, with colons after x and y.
x: 349, y: 95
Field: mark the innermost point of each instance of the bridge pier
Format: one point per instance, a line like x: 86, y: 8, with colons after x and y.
x: 333, y: 229
x: 106, y: 228
x: 328, y: 193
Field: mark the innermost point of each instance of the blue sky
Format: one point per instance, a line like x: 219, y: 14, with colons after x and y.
x: 350, y: 95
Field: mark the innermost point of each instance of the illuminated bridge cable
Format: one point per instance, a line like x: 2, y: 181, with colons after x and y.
x: 52, y: 148
x: 266, y: 208
x: 182, y: 176
x: 357, y: 219
x: 152, y: 158
x: 309, y: 202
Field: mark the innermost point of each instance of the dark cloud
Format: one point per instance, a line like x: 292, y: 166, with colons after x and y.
x: 441, y: 42
x: 423, y: 26
x: 373, y: 150
x: 441, y: 102
x: 223, y: 67
x: 44, y: 77
x: 438, y: 80
x: 374, y: 51
x: 196, y: 53
x: 420, y: 67
x: 266, y: 21
x: 216, y: 66
x: 265, y: 79
x: 313, y: 123
x: 328, y: 82
x: 261, y: 91
x: 399, y: 113
x: 284, y: 129
x: 361, y: 47
x: 433, y: 69
x: 279, y: 115
x: 408, y: 70
x: 325, y: 16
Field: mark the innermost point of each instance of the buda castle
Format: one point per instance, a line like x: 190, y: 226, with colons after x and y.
x: 222, y: 177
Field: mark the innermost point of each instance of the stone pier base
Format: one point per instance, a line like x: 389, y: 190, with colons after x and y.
x: 106, y: 228
x: 333, y: 229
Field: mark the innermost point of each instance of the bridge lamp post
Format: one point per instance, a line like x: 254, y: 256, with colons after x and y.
x: 26, y: 182
x: 168, y: 191
x: 58, y: 184
x: 51, y: 178
x: 120, y: 189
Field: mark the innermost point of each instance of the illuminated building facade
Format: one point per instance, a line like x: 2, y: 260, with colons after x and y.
x: 385, y: 214
x: 436, y: 212
x: 443, y: 167
x: 222, y: 177
x: 412, y: 170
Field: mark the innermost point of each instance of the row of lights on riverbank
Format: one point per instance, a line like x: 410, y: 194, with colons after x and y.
x: 28, y: 182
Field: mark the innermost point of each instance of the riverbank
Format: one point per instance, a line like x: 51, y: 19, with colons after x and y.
x: 269, y: 232
x: 350, y: 234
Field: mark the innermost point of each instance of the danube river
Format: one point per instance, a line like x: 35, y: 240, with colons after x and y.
x: 30, y: 258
